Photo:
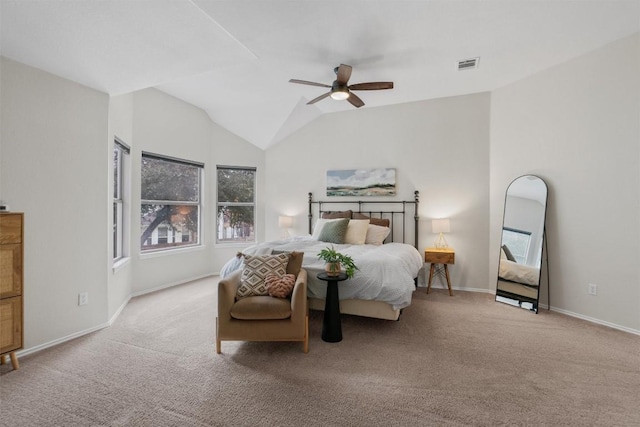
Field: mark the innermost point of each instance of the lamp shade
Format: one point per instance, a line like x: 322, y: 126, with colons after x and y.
x: 441, y: 225
x: 285, y: 221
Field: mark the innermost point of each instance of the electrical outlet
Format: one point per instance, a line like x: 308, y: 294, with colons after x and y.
x: 593, y: 289
x: 83, y: 298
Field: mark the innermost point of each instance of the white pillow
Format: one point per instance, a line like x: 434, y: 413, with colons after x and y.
x: 317, y: 229
x: 356, y: 231
x: 376, y: 234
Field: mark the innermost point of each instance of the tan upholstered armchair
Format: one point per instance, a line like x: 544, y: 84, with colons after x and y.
x: 262, y: 318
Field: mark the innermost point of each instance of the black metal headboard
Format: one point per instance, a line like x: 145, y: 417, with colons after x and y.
x: 395, y: 211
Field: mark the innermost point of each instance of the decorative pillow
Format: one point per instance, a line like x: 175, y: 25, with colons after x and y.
x: 256, y: 269
x: 376, y: 234
x: 334, y: 232
x: 356, y: 231
x: 508, y: 253
x: 383, y: 222
x: 295, y: 261
x: 334, y: 215
x: 319, y: 225
x: 280, y: 287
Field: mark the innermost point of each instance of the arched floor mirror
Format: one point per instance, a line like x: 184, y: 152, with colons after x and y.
x: 521, y: 246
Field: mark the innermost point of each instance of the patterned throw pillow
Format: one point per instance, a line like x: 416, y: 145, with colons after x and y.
x: 295, y: 261
x: 256, y: 268
x: 280, y: 287
x: 334, y: 232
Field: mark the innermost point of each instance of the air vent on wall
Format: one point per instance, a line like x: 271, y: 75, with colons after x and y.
x: 468, y: 64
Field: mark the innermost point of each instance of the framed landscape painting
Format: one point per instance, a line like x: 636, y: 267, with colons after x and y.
x: 361, y: 182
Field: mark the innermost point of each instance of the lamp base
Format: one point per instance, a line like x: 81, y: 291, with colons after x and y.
x: 441, y: 242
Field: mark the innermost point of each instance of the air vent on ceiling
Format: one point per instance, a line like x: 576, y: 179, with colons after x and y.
x: 468, y: 64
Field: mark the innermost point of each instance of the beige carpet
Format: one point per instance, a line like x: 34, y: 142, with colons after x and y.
x: 461, y: 360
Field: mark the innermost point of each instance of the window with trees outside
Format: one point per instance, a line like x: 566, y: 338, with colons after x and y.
x: 120, y: 168
x: 518, y: 242
x: 170, y: 203
x: 236, y: 204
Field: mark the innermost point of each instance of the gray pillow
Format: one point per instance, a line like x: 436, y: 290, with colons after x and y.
x: 334, y: 232
x: 508, y: 253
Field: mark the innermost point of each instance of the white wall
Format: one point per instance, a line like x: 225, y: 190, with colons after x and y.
x: 168, y: 126
x: 230, y: 150
x: 54, y: 146
x: 120, y: 279
x: 439, y: 147
x: 577, y: 126
x: 527, y: 215
x: 165, y: 125
x: 55, y: 166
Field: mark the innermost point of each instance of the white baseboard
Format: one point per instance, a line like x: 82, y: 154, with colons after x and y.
x: 119, y: 310
x: 583, y: 317
x: 170, y: 285
x: 597, y: 321
x: 55, y: 342
x: 78, y: 334
x: 115, y: 316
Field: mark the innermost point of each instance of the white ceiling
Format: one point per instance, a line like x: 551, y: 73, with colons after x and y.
x: 233, y: 59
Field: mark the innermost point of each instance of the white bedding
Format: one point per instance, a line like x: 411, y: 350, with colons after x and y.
x: 519, y: 273
x: 386, y: 272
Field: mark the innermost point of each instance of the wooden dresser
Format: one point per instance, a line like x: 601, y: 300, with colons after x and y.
x: 11, y: 274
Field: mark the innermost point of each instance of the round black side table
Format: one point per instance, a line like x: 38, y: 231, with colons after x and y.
x: 332, y: 325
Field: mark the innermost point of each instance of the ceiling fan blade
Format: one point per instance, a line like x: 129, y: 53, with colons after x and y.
x: 355, y: 101
x: 344, y: 73
x: 371, y: 86
x: 304, y: 82
x: 320, y: 98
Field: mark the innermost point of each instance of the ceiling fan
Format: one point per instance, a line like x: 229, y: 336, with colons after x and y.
x: 340, y: 90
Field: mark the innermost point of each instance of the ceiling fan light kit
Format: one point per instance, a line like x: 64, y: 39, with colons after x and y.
x: 340, y: 90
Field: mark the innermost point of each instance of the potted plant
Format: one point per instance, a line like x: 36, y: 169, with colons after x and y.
x: 335, y: 260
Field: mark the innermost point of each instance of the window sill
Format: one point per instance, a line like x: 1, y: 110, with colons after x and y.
x: 119, y: 264
x: 176, y: 251
x: 234, y: 244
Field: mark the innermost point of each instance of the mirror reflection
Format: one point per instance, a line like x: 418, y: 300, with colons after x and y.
x: 522, y: 241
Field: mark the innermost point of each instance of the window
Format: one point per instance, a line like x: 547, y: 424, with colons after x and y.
x: 170, y: 202
x: 236, y: 204
x: 518, y: 242
x: 120, y: 163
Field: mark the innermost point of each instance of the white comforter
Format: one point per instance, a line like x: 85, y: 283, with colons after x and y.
x: 519, y: 273
x: 385, y: 272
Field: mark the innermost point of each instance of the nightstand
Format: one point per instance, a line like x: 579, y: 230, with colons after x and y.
x: 436, y: 256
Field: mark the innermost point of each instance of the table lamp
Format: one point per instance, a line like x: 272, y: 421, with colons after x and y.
x: 441, y: 226
x: 285, y: 222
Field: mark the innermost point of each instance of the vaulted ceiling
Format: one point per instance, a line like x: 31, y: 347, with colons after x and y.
x: 234, y: 59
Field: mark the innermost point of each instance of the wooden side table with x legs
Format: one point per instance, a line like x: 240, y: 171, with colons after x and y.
x: 436, y: 256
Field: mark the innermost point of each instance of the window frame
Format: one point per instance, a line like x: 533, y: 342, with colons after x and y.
x: 520, y: 258
x: 120, y: 200
x: 179, y: 244
x: 220, y: 204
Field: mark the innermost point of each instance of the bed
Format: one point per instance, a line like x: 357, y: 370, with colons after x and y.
x: 388, y: 266
x: 518, y: 281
